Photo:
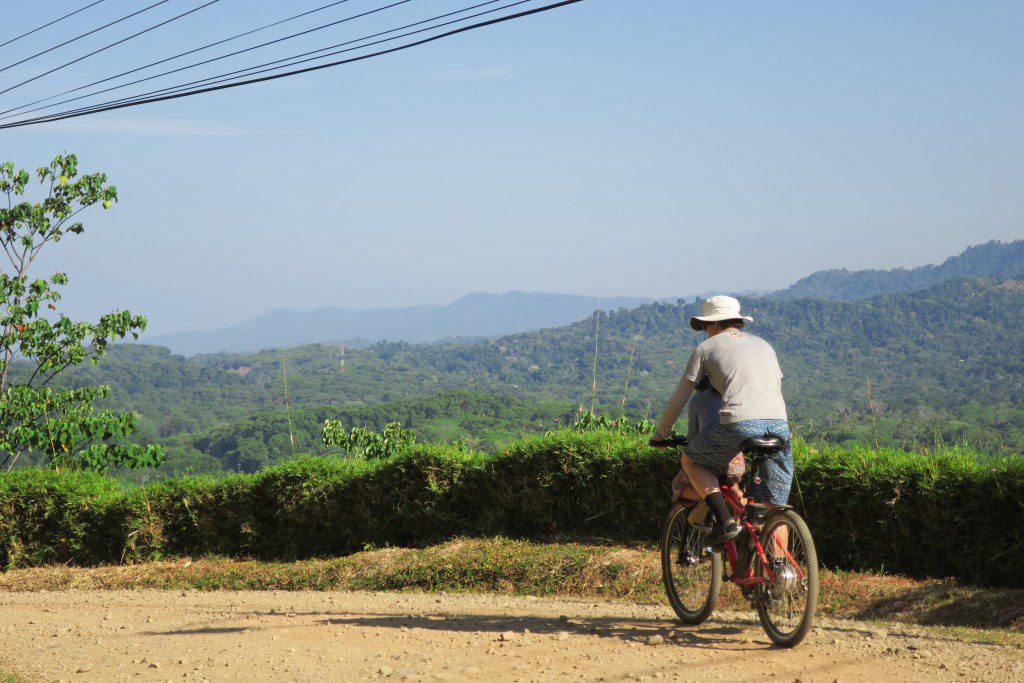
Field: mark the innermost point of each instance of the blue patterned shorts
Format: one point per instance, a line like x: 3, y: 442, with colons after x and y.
x: 717, y: 444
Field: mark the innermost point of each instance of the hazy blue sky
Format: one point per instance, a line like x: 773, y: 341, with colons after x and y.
x: 614, y: 147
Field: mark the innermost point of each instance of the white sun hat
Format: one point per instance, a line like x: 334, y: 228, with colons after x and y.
x: 716, y: 309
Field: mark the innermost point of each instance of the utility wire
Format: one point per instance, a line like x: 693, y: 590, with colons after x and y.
x: 112, y: 106
x: 88, y: 33
x: 173, y: 57
x: 107, y: 47
x: 225, y: 56
x: 40, y: 28
x: 199, y: 91
x: 292, y: 61
x: 297, y: 59
x: 230, y: 76
x: 252, y: 70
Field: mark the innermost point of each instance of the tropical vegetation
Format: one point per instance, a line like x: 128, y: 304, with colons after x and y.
x: 908, y: 513
x: 936, y: 367
x: 50, y: 423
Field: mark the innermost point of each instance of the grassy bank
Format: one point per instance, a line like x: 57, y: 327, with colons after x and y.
x: 526, y: 568
x: 8, y: 676
x: 869, y: 510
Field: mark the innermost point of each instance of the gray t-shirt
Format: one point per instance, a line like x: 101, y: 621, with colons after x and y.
x: 702, y: 411
x: 745, y: 370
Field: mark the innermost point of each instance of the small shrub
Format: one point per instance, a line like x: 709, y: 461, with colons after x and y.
x: 366, y: 442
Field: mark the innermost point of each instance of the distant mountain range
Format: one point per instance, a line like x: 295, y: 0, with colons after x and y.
x: 992, y: 259
x: 488, y: 315
x: 472, y: 316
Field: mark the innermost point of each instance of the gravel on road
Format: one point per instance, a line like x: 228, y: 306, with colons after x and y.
x: 316, y: 636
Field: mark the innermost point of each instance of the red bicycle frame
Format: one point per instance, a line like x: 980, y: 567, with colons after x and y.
x: 730, y: 546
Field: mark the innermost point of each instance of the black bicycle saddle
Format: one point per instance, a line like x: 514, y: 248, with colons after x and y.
x: 763, y: 445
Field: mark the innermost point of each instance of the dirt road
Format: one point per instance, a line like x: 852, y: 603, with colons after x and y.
x: 312, y: 636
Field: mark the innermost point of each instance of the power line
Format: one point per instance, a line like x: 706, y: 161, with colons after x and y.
x: 173, y: 57
x: 292, y: 61
x: 88, y: 33
x: 230, y: 76
x: 237, y: 52
x: 296, y: 59
x: 221, y: 77
x: 107, y: 47
x: 40, y: 28
x: 199, y: 91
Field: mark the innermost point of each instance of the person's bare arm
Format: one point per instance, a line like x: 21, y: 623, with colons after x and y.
x: 674, y: 408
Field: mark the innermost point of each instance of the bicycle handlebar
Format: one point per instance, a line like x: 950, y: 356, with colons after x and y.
x: 671, y: 442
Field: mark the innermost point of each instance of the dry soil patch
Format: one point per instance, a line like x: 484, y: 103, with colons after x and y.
x: 312, y: 636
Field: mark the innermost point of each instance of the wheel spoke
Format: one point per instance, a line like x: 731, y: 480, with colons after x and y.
x: 692, y: 572
x: 787, y: 599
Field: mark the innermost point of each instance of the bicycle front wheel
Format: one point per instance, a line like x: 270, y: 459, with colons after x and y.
x: 786, y: 605
x: 692, y: 572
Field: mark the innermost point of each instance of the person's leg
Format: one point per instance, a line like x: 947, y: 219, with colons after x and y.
x: 776, y: 475
x: 776, y: 480
x: 780, y: 480
x: 707, y: 458
x: 706, y: 484
x: 739, y: 493
x: 682, y: 492
x: 701, y: 478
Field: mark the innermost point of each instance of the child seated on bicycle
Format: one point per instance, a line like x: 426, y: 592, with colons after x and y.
x: 702, y: 412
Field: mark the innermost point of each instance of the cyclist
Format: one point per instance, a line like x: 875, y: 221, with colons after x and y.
x: 743, y: 368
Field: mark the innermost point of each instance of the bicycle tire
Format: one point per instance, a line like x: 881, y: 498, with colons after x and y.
x: 770, y: 596
x: 691, y: 606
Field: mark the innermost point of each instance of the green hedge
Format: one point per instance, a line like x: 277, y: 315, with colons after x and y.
x: 943, y: 515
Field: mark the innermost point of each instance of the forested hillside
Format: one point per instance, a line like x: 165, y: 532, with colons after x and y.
x: 476, y: 420
x: 940, y: 365
x: 993, y: 259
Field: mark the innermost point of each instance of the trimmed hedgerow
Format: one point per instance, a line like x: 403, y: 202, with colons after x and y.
x: 947, y: 514
x: 886, y: 510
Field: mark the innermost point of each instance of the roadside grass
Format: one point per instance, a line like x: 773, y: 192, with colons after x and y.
x: 502, y: 565
x: 7, y: 677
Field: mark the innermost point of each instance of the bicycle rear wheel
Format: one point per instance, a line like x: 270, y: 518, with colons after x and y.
x: 786, y: 605
x: 692, y: 572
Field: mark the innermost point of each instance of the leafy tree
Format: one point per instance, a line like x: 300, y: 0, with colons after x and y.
x: 37, y: 342
x: 591, y: 422
x: 368, y: 443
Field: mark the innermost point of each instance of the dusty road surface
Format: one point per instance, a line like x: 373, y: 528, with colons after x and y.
x: 311, y: 636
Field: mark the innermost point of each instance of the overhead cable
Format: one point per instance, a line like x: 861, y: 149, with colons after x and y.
x: 294, y: 60
x: 87, y: 33
x: 179, y: 55
x: 199, y: 91
x: 47, y: 25
x: 110, y: 45
x: 260, y: 68
x: 249, y: 49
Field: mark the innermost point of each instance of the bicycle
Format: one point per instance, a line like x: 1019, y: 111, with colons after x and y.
x: 773, y: 560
